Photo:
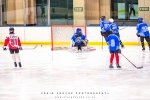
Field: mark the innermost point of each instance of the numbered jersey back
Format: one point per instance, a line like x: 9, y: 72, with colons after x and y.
x: 12, y: 41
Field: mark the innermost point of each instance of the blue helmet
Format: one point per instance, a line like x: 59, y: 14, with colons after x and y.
x: 103, y: 18
x: 140, y: 20
x: 78, y: 30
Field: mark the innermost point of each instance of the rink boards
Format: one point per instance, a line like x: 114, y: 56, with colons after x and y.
x: 42, y: 35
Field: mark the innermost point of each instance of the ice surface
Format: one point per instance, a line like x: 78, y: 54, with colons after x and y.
x: 61, y: 71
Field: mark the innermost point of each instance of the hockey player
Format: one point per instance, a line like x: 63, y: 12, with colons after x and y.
x: 113, y: 42
x: 115, y: 29
x: 105, y: 27
x: 143, y: 33
x: 14, y: 45
x: 79, y: 39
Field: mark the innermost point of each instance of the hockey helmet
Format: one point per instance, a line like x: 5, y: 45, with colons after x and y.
x: 103, y: 18
x: 111, y: 20
x: 78, y: 30
x: 140, y: 20
x: 11, y: 30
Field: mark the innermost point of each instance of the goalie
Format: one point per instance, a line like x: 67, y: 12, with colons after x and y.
x: 78, y: 40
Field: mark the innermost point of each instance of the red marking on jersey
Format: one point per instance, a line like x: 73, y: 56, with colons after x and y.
x: 12, y: 41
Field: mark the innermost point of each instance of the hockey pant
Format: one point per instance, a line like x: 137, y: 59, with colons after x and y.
x: 106, y: 34
x: 147, y: 40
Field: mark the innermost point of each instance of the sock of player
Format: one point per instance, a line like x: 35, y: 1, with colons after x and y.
x: 79, y: 47
x: 143, y: 46
x: 13, y: 57
x: 117, y: 58
x: 18, y: 57
x: 149, y: 44
x: 111, y: 57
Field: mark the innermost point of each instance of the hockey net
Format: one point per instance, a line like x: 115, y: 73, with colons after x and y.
x: 61, y: 36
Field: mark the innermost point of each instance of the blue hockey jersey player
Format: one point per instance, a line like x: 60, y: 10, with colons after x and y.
x: 105, y: 27
x: 113, y: 42
x: 115, y: 29
x: 79, y: 39
x: 143, y: 33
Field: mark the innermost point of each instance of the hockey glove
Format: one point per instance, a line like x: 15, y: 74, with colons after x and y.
x: 72, y: 43
x: 137, y: 35
x: 4, y: 48
x: 20, y: 48
x: 119, y: 51
x: 86, y: 41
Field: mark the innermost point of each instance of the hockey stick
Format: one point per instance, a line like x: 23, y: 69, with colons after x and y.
x: 102, y: 42
x: 132, y: 63
x: 27, y: 48
x: 124, y: 28
x: 30, y: 48
x: 138, y: 41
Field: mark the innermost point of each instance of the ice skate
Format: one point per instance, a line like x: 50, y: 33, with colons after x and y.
x: 111, y: 66
x: 15, y: 64
x: 118, y: 66
x: 20, y: 64
x: 143, y: 49
x: 122, y: 46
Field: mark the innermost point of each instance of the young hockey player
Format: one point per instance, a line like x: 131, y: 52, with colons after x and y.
x: 14, y: 45
x: 115, y: 30
x: 78, y: 39
x: 105, y: 27
x: 113, y: 42
x: 143, y: 33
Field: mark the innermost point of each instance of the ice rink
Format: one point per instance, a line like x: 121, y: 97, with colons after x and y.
x: 47, y: 74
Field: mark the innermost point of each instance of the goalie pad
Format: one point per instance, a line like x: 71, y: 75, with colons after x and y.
x: 75, y: 49
x: 72, y: 43
x: 78, y: 40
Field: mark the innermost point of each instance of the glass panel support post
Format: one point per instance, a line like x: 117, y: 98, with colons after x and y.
x: 24, y: 15
x: 1, y: 16
x: 48, y: 6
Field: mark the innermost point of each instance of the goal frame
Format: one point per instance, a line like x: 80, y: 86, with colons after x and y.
x: 65, y: 26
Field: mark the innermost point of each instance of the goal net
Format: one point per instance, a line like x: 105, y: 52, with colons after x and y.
x: 61, y: 36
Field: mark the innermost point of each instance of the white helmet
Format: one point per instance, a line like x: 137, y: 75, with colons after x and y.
x: 111, y: 20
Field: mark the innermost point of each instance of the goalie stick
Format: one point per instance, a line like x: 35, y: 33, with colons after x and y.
x: 132, y: 63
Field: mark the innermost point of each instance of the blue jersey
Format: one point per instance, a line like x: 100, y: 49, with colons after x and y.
x: 78, y: 39
x: 105, y: 26
x: 142, y: 29
x: 113, y: 42
x: 114, y: 28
